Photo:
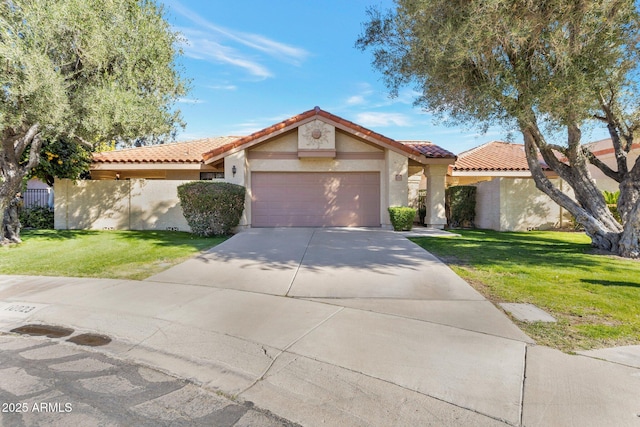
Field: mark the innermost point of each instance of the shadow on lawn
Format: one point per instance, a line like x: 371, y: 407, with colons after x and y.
x: 55, y: 234
x: 156, y: 237
x: 610, y: 283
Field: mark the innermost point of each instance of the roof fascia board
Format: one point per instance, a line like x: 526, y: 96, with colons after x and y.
x: 501, y: 174
x: 102, y: 166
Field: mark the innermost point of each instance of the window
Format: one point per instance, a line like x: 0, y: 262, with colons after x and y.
x: 208, y: 176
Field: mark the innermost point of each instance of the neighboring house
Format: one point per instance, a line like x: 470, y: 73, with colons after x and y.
x: 314, y: 169
x: 507, y: 198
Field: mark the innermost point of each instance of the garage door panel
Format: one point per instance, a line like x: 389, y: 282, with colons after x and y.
x: 315, y: 199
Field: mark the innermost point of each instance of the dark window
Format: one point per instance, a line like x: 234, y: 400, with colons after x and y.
x: 207, y: 176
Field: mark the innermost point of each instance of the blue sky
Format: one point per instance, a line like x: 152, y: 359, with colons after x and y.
x: 253, y: 63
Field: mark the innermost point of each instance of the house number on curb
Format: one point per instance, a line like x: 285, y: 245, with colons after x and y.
x: 20, y: 308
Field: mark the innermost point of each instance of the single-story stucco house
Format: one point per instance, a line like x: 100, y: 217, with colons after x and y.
x: 507, y: 198
x: 314, y: 169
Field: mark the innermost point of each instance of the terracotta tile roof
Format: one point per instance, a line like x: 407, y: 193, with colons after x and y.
x: 493, y: 156
x: 429, y: 149
x: 179, y: 152
x: 357, y: 129
x: 202, y: 150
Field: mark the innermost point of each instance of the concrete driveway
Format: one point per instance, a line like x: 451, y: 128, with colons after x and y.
x: 337, y: 327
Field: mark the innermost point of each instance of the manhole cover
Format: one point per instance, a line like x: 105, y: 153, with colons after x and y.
x: 92, y: 340
x: 43, y: 330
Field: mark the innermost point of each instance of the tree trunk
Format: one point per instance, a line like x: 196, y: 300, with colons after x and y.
x: 13, y: 169
x: 10, y: 230
x: 629, y: 210
x: 590, y: 209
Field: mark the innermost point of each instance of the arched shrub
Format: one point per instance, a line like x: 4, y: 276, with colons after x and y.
x: 211, y: 208
x: 402, y: 217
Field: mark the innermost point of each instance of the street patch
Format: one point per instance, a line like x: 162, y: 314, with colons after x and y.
x: 43, y: 330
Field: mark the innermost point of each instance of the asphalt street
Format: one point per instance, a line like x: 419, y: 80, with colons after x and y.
x: 50, y: 382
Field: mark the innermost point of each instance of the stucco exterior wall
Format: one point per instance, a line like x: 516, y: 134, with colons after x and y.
x: 515, y: 204
x: 118, y: 205
x: 488, y: 205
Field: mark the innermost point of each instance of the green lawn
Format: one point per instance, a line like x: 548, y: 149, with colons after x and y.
x: 596, y: 298
x: 108, y: 254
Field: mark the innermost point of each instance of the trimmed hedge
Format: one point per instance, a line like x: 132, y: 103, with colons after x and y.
x: 461, y: 205
x: 402, y: 217
x: 211, y: 208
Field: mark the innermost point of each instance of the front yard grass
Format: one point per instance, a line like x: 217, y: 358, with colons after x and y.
x: 596, y: 298
x: 108, y: 254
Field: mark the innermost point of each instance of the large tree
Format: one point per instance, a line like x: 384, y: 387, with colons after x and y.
x: 81, y: 72
x: 546, y: 68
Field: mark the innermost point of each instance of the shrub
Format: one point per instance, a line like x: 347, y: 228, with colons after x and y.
x: 611, y: 199
x: 402, y: 217
x: 40, y: 217
x: 461, y: 205
x: 211, y: 208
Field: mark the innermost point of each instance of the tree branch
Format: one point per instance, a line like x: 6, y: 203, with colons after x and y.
x: 22, y: 143
x: 616, y: 176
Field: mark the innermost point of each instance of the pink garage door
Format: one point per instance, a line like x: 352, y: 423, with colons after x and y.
x: 312, y: 199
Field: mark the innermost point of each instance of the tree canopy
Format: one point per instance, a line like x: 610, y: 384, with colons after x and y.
x: 542, y: 67
x: 82, y: 72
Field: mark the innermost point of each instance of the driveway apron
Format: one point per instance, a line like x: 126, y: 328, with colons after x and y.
x: 400, y: 316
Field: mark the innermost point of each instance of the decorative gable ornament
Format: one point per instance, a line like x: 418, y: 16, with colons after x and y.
x: 316, y: 139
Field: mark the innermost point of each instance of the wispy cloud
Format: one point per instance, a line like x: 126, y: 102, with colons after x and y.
x: 212, y: 42
x: 223, y: 87
x: 373, y: 119
x: 364, y: 90
x: 190, y: 101
x: 199, y: 46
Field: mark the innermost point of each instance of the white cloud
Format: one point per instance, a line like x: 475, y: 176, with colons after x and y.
x: 211, y: 42
x: 200, y: 47
x: 374, y: 119
x: 355, y: 100
x: 190, y: 101
x: 223, y: 87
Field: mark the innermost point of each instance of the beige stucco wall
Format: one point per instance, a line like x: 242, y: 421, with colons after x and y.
x: 436, y: 184
x: 118, y: 205
x: 515, y: 204
x: 241, y: 177
x: 488, y: 205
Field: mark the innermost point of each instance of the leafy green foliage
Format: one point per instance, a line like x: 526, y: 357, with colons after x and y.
x: 61, y: 159
x: 547, y: 68
x: 81, y: 72
x: 212, y: 208
x: 402, y: 217
x: 611, y: 199
x: 461, y: 205
x: 40, y: 217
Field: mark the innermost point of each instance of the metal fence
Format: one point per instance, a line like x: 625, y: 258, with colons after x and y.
x: 36, y: 197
